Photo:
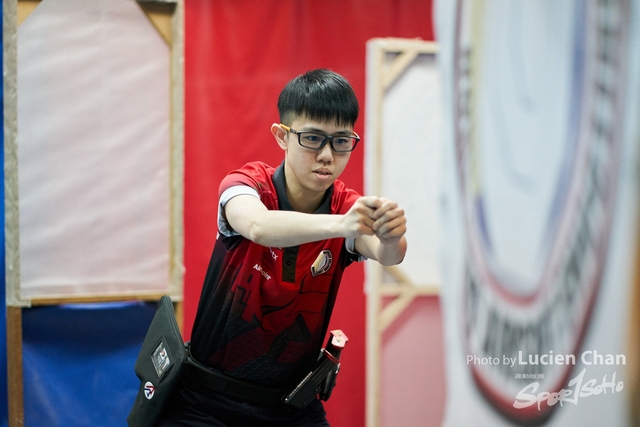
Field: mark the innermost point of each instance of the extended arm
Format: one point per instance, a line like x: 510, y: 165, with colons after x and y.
x: 248, y: 216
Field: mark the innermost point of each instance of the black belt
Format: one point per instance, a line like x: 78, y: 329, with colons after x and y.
x: 224, y: 384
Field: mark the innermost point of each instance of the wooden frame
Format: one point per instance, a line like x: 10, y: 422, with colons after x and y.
x: 386, y: 283
x: 167, y: 16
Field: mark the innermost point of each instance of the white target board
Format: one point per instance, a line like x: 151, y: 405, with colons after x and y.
x: 93, y: 205
x: 402, y: 154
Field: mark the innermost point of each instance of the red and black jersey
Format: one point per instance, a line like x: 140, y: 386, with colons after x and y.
x: 264, y: 311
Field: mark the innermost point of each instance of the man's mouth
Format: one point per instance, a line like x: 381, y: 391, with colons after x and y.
x: 322, y: 173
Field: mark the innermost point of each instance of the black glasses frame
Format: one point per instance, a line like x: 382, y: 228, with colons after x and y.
x: 327, y: 139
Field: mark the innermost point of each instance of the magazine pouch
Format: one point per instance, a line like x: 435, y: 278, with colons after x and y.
x: 159, y: 366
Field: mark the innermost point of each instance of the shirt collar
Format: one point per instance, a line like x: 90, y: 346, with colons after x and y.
x: 279, y: 181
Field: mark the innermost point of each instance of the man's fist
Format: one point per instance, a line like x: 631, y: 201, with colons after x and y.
x: 390, y: 222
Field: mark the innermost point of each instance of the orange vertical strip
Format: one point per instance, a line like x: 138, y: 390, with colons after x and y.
x: 14, y: 367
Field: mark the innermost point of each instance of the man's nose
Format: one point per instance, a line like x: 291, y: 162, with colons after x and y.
x: 326, y: 153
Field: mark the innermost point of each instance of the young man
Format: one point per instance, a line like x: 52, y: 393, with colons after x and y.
x: 285, y: 237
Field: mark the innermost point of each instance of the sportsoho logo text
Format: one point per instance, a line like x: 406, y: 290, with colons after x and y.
x: 537, y: 195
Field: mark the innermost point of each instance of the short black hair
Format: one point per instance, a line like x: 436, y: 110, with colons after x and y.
x: 320, y: 95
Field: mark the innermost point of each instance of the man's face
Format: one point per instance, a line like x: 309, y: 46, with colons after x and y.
x: 314, y: 170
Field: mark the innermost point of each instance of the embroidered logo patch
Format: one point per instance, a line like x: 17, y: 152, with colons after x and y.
x: 149, y: 390
x: 322, y: 264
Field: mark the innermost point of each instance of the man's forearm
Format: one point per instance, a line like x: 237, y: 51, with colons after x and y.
x: 391, y: 252
x: 385, y: 251
x: 286, y: 228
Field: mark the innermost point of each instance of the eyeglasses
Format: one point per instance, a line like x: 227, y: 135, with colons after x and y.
x: 317, y: 141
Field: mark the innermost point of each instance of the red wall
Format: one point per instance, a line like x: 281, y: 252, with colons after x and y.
x: 239, y: 55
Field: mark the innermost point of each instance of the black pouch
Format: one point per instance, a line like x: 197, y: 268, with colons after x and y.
x: 159, y: 366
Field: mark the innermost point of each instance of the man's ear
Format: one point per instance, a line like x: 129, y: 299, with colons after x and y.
x: 280, y: 135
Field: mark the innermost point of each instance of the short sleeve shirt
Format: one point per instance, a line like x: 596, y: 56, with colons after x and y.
x: 264, y: 311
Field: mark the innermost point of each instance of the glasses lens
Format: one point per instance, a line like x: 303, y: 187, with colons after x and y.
x: 310, y: 140
x: 344, y: 143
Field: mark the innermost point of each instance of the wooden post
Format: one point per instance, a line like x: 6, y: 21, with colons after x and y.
x: 374, y: 272
x: 178, y: 307
x: 15, y: 386
x: 374, y: 347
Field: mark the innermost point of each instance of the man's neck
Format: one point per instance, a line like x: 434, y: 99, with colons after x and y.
x: 302, y: 200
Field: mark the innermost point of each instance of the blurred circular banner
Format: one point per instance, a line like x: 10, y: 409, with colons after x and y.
x: 538, y: 138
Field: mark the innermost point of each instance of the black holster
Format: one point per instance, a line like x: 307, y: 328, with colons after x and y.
x: 322, y: 378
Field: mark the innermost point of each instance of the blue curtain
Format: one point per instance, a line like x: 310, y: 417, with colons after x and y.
x: 78, y: 363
